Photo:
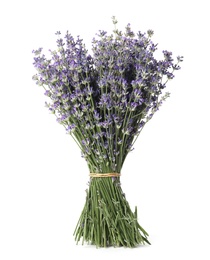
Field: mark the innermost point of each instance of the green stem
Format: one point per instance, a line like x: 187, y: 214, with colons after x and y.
x: 107, y: 219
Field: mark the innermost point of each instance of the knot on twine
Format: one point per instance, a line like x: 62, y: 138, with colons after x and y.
x: 107, y: 174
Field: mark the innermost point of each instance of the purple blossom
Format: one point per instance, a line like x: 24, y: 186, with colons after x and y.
x: 70, y: 128
x: 106, y: 97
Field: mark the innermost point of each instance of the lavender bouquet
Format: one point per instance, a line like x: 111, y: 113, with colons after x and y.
x: 104, y: 100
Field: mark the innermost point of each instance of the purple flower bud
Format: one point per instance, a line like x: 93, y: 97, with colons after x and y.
x: 47, y: 93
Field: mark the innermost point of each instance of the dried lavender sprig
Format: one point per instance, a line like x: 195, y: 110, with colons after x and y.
x: 104, y: 102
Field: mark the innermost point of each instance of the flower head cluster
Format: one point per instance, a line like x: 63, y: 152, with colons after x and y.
x: 105, y: 99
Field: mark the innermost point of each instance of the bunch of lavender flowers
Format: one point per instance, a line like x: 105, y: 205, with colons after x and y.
x: 104, y: 100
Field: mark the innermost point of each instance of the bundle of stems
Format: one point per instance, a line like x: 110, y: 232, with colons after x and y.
x: 104, y: 100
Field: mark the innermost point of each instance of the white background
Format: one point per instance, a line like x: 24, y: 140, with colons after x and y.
x: 42, y: 175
